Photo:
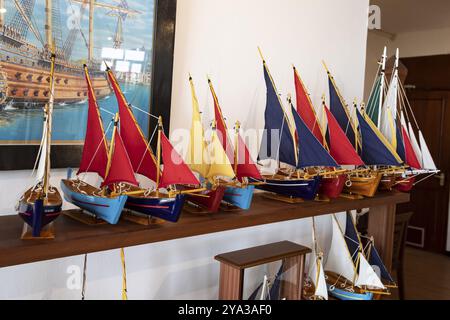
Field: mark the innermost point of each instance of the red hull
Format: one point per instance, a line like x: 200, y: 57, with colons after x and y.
x: 406, y: 185
x: 332, y: 187
x: 212, y: 203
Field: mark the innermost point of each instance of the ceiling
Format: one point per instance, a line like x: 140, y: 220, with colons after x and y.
x: 398, y: 16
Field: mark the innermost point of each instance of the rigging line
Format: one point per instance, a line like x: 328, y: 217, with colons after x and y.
x: 147, y: 149
x: 143, y: 111
x: 79, y: 26
x: 108, y: 112
x: 409, y: 106
x: 423, y: 179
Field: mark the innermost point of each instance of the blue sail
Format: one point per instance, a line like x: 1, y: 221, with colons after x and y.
x: 375, y: 260
x: 282, y: 146
x: 352, y: 238
x: 375, y: 151
x: 339, y: 112
x: 400, y: 144
x: 311, y: 153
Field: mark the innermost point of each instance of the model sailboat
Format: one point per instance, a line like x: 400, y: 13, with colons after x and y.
x: 239, y: 193
x: 367, y: 140
x: 164, y: 204
x: 295, y: 146
x: 41, y: 204
x: 394, y: 116
x: 315, y: 287
x: 349, y: 274
x: 209, y: 160
x: 112, y: 165
x: 333, y: 183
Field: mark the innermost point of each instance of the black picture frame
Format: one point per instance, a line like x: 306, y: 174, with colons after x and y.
x: 23, y: 157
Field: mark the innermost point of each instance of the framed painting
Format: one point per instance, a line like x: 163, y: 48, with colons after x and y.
x: 135, y: 38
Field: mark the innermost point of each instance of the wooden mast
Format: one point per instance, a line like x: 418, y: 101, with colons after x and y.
x: 91, y: 30
x: 158, y: 157
x: 49, y: 23
x: 48, y: 120
x: 312, y: 107
x: 236, y: 146
x: 111, y: 149
x: 345, y: 106
x: 281, y: 106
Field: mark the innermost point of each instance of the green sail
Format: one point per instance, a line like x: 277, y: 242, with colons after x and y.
x: 373, y: 105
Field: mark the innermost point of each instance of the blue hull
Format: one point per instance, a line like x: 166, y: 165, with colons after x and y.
x: 239, y: 197
x: 37, y: 216
x: 346, y: 295
x: 295, y: 188
x: 168, y: 209
x: 108, y: 209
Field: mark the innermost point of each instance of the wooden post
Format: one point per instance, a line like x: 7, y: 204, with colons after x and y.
x: 291, y: 288
x: 381, y: 227
x: 231, y: 284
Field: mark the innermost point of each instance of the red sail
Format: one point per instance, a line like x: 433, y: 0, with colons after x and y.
x: 136, y: 145
x: 175, y: 170
x: 411, y: 158
x: 95, y: 150
x: 305, y: 108
x: 121, y: 169
x: 222, y: 131
x: 246, y: 167
x: 340, y: 147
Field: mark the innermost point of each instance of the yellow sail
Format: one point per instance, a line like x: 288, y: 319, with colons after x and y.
x: 220, y: 165
x: 197, y: 156
x: 392, y: 129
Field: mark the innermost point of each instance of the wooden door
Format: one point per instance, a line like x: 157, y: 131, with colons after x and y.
x: 430, y: 198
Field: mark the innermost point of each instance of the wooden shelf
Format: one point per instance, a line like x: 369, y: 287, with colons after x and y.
x: 73, y: 238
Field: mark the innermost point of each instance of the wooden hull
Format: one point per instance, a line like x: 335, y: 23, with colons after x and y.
x: 305, y: 189
x: 387, y: 182
x: 38, y: 215
x: 165, y: 208
x: 405, y: 185
x: 213, y: 200
x: 28, y: 86
x: 364, y: 186
x: 333, y: 187
x: 105, y: 208
x: 239, y: 197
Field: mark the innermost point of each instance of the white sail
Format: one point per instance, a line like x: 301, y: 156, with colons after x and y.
x: 389, y: 110
x: 40, y: 173
x: 321, y: 284
x: 415, y: 144
x: 265, y: 288
x: 427, y: 159
x: 339, y: 259
x: 367, y: 276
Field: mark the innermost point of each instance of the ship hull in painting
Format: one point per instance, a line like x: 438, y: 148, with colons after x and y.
x: 405, y: 184
x: 239, y: 197
x: 105, y: 208
x: 39, y: 214
x: 305, y: 189
x: 209, y: 199
x: 168, y: 209
x: 333, y: 187
x: 364, y: 186
x: 27, y: 86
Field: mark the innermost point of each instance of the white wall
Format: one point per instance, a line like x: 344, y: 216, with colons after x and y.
x: 219, y: 38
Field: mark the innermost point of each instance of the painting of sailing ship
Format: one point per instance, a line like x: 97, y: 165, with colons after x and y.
x: 99, y: 33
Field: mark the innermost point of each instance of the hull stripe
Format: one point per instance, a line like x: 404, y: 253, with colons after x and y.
x: 148, y: 206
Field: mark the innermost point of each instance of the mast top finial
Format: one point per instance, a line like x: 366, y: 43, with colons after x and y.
x: 261, y: 55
